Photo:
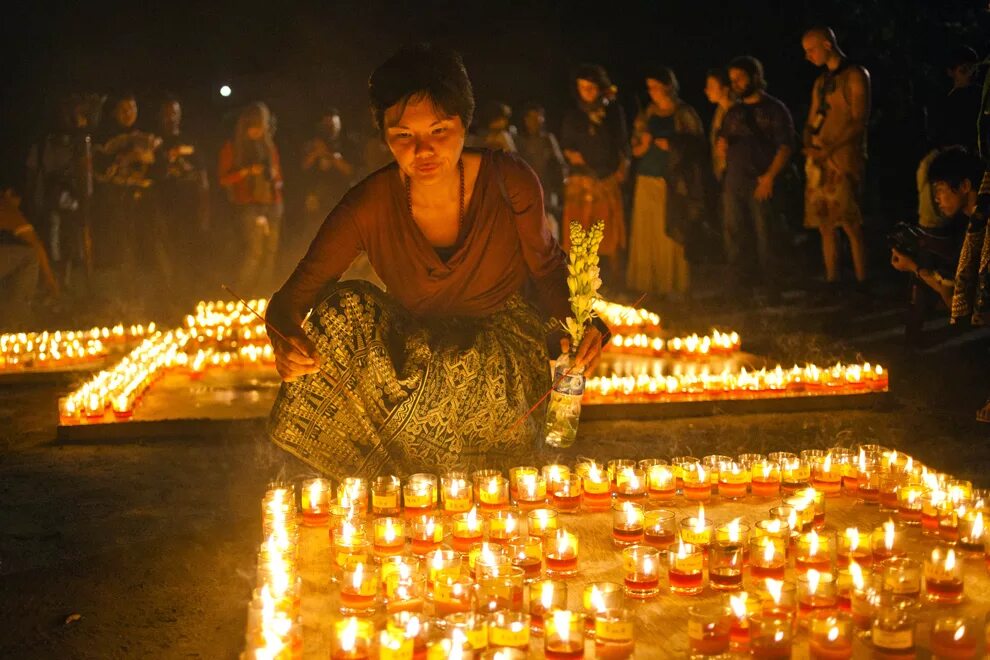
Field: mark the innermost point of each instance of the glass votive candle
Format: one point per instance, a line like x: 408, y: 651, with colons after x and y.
x: 685, y: 569
x: 347, y: 552
x: 697, y: 530
x: 789, y: 517
x: 864, y: 602
x: 473, y: 626
x: 734, y: 533
x: 709, y: 627
x: 599, y: 597
x: 893, y: 633
x: 733, y: 481
x: 713, y: 463
x: 767, y: 558
x: 466, y: 530
x: 627, y: 523
x: 359, y: 589
x: 567, y: 495
x: 816, y: 591
x: 868, y: 483
x: 853, y: 545
x: 316, y: 497
x: 502, y: 526
x: 943, y: 576
x: 794, y: 475
x: 887, y: 497
x: 544, y: 597
x: 954, y: 637
x: 501, y: 588
x: 932, y: 503
x: 563, y: 637
x: 948, y: 523
x: 725, y: 565
x: 389, y: 536
x: 742, y: 606
x: 764, y: 479
x: 614, y: 634
x: 405, y: 594
x: 662, y: 483
x: 682, y: 464
x: 771, y: 637
x: 526, y: 552
x: 641, y: 565
x: 777, y: 598
x: 909, y: 504
x: 747, y: 460
x: 826, y: 476
x: 453, y: 594
x: 886, y: 542
x: 411, y: 630
x: 385, y: 496
x: 352, y: 639
x: 562, y: 554
x: 554, y: 474
x: 814, y: 550
x: 697, y: 484
x: 902, y: 578
x: 831, y: 636
x: 516, y: 474
x: 419, y: 494
x: 456, y: 493
x: 441, y: 564
x: 425, y: 534
x: 631, y: 484
x: 486, y: 555
x: 617, y: 465
x: 971, y: 533
x: 508, y: 629
x: 542, y: 522
x: 531, y: 492
x: 597, y: 489
x: 493, y: 493
x: 659, y: 528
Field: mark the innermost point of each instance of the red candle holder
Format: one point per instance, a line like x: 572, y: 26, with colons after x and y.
x: 697, y: 484
x: 853, y: 545
x: 767, y: 558
x: 545, y: 596
x: 563, y: 637
x: 359, y: 590
x: 466, y: 531
x: 597, y: 489
x: 614, y: 634
x: 568, y: 494
x: 733, y: 481
x: 631, y: 485
x: 831, y: 636
x: 725, y: 566
x: 493, y: 493
x: 456, y: 493
x: 526, y: 552
x: 425, y: 534
x: 954, y: 637
x: 419, y: 495
x: 826, y: 476
x: 389, y: 536
x: 816, y: 591
x: 814, y: 551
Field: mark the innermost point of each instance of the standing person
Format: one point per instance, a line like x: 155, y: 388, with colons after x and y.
x: 668, y: 142
x: 835, y: 146
x: 495, y: 131
x: 757, y: 139
x: 251, y: 172
x: 718, y: 90
x: 182, y: 194
x: 22, y: 258
x: 596, y: 144
x: 328, y: 167
x: 541, y: 151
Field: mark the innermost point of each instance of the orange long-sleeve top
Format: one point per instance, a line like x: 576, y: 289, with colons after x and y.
x: 231, y: 178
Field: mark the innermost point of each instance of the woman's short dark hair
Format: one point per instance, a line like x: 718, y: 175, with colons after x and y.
x: 594, y: 73
x: 956, y: 164
x: 422, y: 70
x: 720, y: 74
x: 665, y: 76
x: 753, y: 68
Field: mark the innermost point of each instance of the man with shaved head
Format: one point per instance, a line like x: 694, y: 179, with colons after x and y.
x: 835, y: 146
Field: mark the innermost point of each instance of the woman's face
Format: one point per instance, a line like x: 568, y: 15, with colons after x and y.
x: 426, y: 144
x: 255, y: 131
x: 126, y: 112
x: 587, y: 90
x: 659, y: 93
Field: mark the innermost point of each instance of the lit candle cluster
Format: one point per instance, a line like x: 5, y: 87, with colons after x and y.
x: 716, y: 343
x: 64, y: 348
x: 626, y: 319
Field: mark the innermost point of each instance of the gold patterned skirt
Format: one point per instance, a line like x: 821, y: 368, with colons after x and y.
x: 396, y: 394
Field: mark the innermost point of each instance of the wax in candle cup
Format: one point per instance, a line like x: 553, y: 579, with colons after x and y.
x: 659, y: 528
x: 853, y: 545
x: 352, y: 639
x: 353, y: 493
x: 777, y: 598
x: 725, y: 565
x: 771, y: 637
x: 599, y: 597
x: 816, y: 591
x: 466, y: 530
x: 517, y: 474
x: 316, y: 496
x: 597, y: 488
x: 507, y: 629
x: 697, y: 530
x: 831, y: 636
x: 893, y: 632
x: 563, y: 637
x: 685, y: 572
x: 359, y: 589
x: 478, y: 480
x: 682, y: 464
x: 948, y: 524
x: 868, y: 483
x: 501, y: 588
x: 390, y: 536
x: 933, y: 502
x: 568, y: 495
x: 405, y: 592
x: 419, y: 494
x: 412, y: 629
x: 662, y: 483
x: 814, y: 550
x: 456, y: 494
x: 613, y: 635
x: 697, y: 484
x: 544, y: 597
x: 562, y: 554
x: 826, y: 475
x: 943, y: 576
x: 472, y: 626
x: 631, y: 484
x: 484, y: 555
x: 734, y: 532
x: 909, y: 504
x: 764, y: 479
x: 555, y: 474
x: 502, y: 526
x: 385, y: 492
x: 532, y: 492
x: 742, y: 606
x: 641, y: 566
x: 526, y: 552
x: 542, y: 522
x: 349, y: 552
x: 627, y: 523
x: 709, y: 627
x: 453, y: 594
x: 440, y: 564
x: 886, y: 542
x: 902, y: 577
x: 425, y: 534
x: 733, y: 481
x: 889, y: 485
x: 954, y: 637
x: 971, y: 534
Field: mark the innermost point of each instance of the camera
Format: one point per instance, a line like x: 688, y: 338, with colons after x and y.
x: 929, y: 249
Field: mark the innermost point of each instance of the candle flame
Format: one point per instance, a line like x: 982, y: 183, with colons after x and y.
x: 546, y: 595
x: 631, y: 512
x: 597, y: 599
x: 562, y: 623
x: 648, y: 567
x: 565, y: 543
x: 888, y: 535
x: 510, y: 524
x: 852, y: 533
x: 827, y: 463
x: 977, y: 532
x: 348, y: 636
x: 909, y: 464
x: 315, y: 490
x: 766, y: 471
x: 472, y: 519
x: 357, y: 577
x: 733, y: 529
x: 813, y: 543
x: 701, y: 473
x: 813, y: 579
x: 833, y: 633
x: 493, y: 485
x: 960, y: 633
x: 389, y: 532
x: 769, y: 549
x: 699, y: 521
x: 856, y: 572
x: 950, y: 560
x: 778, y: 636
x: 738, y: 605
x: 775, y: 588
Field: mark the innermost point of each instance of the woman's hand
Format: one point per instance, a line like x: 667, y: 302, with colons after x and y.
x: 902, y: 262
x: 589, y: 353
x: 296, y: 357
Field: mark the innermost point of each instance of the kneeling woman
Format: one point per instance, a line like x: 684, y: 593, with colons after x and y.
x: 431, y: 375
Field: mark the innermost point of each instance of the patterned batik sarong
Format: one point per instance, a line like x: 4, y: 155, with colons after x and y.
x: 831, y: 198
x: 398, y: 395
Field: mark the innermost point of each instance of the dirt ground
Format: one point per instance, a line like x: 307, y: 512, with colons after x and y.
x: 153, y: 543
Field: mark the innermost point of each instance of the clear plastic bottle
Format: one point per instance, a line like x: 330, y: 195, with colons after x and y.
x: 564, y: 408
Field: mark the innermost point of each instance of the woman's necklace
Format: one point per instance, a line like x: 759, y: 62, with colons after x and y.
x: 460, y: 209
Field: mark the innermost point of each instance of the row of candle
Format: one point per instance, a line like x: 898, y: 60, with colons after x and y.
x: 716, y: 343
x: 39, y: 350
x: 623, y: 318
x: 797, y: 381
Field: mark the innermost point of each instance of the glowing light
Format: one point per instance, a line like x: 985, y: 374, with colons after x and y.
x: 225, y: 91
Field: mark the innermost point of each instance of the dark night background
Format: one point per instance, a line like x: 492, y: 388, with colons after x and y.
x: 300, y: 57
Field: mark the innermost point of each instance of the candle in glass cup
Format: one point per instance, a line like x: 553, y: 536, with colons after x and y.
x: 542, y: 522
x: 846, y: 581
x: 864, y: 599
x: 631, y: 484
x: 526, y: 552
x: 943, y: 576
x: 502, y: 526
x: 493, y: 493
x: 794, y: 475
x: 471, y: 626
x: 734, y: 533
x: 697, y: 484
x: 659, y: 528
x: 627, y: 523
x: 954, y: 637
x: 405, y: 593
x: 893, y: 632
x: 568, y: 494
x: 816, y: 591
x: 531, y: 492
x: 890, y: 483
x: 562, y: 554
x: 725, y: 565
x: 948, y: 523
x: 932, y: 503
x: 466, y: 530
x: 425, y: 534
x: 814, y: 550
x: 713, y: 464
x: 777, y: 598
x: 767, y: 558
x: 419, y: 495
x: 733, y: 481
x: 516, y: 475
x: 599, y: 597
x: 685, y: 569
x: 359, y: 589
x: 348, y: 552
x: 352, y: 639
x: 771, y: 637
x: 902, y: 578
x: 853, y: 545
x: 413, y: 629
x: 486, y: 555
x: 441, y: 564
x: 831, y: 636
x: 826, y: 476
x: 597, y: 489
x: 563, y: 637
x: 544, y: 597
x: 385, y: 496
x: 682, y: 464
x: 742, y: 607
x: 971, y: 533
x: 709, y: 627
x: 390, y: 536
x: 641, y: 565
x: 617, y: 465
x: 886, y: 542
x: 501, y: 588
x: 614, y: 634
x: 909, y: 504
x: 353, y: 493
x: 662, y: 483
x: 456, y: 493
x: 764, y: 479
x: 697, y: 530
x: 316, y: 496
x: 554, y: 474
x: 453, y: 594
x: 507, y: 629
